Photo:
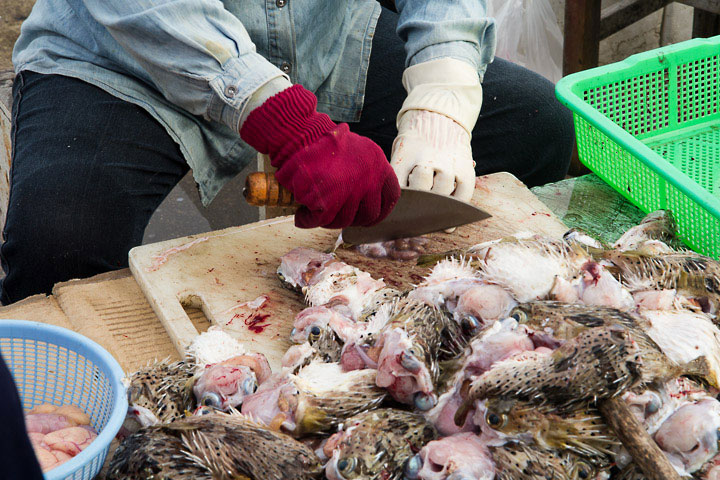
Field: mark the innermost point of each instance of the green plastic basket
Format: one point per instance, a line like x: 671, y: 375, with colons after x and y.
x: 650, y: 127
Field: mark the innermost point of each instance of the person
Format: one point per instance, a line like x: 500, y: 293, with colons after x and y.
x: 16, y: 452
x: 114, y: 101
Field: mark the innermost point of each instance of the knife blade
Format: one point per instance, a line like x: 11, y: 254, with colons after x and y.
x: 417, y: 212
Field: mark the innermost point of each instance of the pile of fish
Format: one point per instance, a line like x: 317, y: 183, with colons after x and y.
x: 491, y: 368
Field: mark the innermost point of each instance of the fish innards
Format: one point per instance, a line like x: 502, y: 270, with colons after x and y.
x: 492, y: 367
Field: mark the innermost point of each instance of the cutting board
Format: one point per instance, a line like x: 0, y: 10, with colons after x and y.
x: 231, y: 274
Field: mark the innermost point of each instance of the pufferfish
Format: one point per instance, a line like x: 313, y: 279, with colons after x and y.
x: 599, y: 363
x: 582, y: 432
x: 161, y: 392
x: 376, y: 445
x: 515, y: 461
x: 216, y: 446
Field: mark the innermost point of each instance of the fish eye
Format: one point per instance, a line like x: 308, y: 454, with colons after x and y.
x: 519, y: 315
x: 211, y: 399
x: 582, y: 471
x: 653, y: 405
x: 315, y: 331
x: 424, y: 401
x: 496, y: 421
x: 470, y: 324
x: 413, y: 467
x: 133, y: 393
x: 249, y: 386
x: 346, y: 465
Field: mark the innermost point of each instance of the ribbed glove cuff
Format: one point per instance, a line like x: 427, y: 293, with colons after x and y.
x: 446, y: 86
x: 284, y: 123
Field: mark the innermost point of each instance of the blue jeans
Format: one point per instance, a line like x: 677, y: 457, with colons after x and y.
x: 89, y: 169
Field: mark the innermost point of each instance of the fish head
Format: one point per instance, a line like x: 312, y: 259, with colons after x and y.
x: 508, y: 416
x: 309, y: 323
x: 162, y: 389
x: 299, y: 266
x: 377, y: 444
x: 327, y: 395
x: 274, y: 404
x: 224, y: 386
x: 404, y: 368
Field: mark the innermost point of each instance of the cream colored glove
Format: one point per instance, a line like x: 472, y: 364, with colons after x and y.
x: 432, y: 149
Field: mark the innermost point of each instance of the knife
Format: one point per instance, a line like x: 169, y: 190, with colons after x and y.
x: 416, y: 213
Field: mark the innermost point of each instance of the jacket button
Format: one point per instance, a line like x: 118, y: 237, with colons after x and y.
x: 230, y: 91
x: 281, y: 3
x: 285, y: 67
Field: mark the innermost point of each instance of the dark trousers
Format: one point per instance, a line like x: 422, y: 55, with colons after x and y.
x: 89, y: 169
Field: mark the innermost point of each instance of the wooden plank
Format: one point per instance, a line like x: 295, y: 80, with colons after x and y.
x: 220, y: 271
x: 111, y: 310
x: 582, y: 35
x: 38, y: 308
x: 626, y: 12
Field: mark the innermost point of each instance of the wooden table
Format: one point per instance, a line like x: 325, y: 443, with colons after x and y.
x: 111, y: 309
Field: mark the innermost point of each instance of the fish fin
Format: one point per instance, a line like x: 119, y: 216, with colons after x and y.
x: 699, y: 367
x: 431, y: 259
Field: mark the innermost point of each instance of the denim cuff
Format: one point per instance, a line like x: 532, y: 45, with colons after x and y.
x: 241, y: 77
x: 459, y: 50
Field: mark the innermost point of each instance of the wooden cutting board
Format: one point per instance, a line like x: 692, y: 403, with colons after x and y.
x: 222, y: 271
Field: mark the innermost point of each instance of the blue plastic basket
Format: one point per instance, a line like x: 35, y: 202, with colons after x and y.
x: 55, y: 365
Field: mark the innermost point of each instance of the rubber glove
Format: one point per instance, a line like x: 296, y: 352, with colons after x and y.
x: 339, y: 177
x: 432, y: 149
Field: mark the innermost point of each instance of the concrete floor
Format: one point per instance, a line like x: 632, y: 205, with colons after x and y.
x: 182, y: 213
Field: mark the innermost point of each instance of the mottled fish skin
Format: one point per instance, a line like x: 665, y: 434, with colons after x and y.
x: 379, y: 443
x: 327, y: 344
x: 658, y: 225
x: 315, y: 400
x: 376, y: 300
x: 517, y: 461
x: 164, y: 388
x: 630, y: 472
x: 214, y: 446
x: 582, y: 432
x: 565, y: 321
x: 322, y: 411
x: 599, y: 363
x: 683, y: 271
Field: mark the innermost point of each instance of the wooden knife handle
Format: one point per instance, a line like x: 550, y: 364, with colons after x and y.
x: 263, y: 190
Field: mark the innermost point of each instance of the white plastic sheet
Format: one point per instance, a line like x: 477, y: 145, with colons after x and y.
x: 528, y: 34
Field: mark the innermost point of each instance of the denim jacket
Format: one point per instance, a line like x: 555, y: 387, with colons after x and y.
x: 193, y: 64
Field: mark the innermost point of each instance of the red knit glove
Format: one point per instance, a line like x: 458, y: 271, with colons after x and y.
x: 338, y: 177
